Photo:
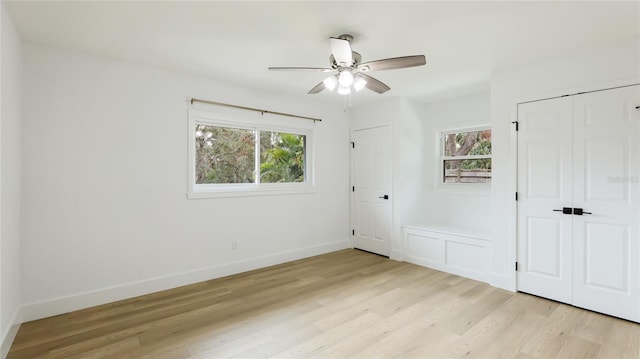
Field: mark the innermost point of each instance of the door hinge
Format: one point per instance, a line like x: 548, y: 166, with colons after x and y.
x: 353, y: 145
x: 353, y: 232
x: 353, y: 188
x: 517, y: 125
x: 516, y: 196
x: 516, y: 266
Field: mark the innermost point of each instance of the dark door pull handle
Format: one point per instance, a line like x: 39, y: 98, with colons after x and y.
x: 564, y: 210
x: 580, y: 212
x: 386, y: 196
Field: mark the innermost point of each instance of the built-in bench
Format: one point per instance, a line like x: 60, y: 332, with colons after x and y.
x: 460, y: 251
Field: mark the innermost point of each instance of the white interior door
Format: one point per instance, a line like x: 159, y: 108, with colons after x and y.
x: 606, y: 252
x: 544, y: 187
x: 581, y: 153
x: 371, y: 183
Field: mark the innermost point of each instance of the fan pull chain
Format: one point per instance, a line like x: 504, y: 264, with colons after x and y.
x: 344, y: 107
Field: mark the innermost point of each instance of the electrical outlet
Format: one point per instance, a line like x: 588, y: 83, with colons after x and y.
x: 234, y: 244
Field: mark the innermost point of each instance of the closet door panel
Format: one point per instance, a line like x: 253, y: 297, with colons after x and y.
x: 605, y: 185
x: 544, y: 185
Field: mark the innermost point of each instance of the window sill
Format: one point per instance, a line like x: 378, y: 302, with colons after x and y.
x: 478, y: 189
x: 250, y: 191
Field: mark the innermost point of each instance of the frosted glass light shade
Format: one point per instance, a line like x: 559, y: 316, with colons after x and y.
x: 345, y: 79
x: 359, y: 83
x: 330, y: 83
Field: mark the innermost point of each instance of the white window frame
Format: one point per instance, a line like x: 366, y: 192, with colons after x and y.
x: 439, y: 181
x: 258, y: 123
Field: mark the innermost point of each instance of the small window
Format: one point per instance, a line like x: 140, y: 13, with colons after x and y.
x: 244, y: 158
x: 466, y: 156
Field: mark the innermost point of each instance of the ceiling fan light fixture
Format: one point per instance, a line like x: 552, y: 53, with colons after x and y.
x: 343, y: 90
x: 359, y: 83
x: 349, y: 73
x: 330, y: 83
x: 345, y: 79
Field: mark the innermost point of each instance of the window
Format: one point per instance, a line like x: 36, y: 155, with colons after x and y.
x: 465, y: 156
x: 244, y: 157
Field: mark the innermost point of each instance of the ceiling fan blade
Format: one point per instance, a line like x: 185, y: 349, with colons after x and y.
x: 316, y: 89
x: 316, y: 69
x: 373, y: 84
x: 341, y: 51
x: 393, y: 63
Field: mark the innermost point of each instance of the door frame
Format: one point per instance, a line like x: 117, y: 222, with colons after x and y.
x: 513, y: 154
x: 392, y: 231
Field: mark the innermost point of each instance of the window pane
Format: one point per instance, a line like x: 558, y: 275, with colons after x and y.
x: 467, y: 143
x: 467, y: 171
x: 282, y: 157
x: 224, y: 155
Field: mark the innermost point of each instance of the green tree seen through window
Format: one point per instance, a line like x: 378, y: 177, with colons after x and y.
x: 465, y: 144
x: 282, y: 157
x: 226, y: 155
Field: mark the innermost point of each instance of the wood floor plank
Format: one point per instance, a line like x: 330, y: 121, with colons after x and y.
x: 345, y: 304
x: 351, y: 346
x: 179, y: 352
x: 620, y: 340
x: 318, y: 343
x: 267, y: 326
x: 577, y: 348
x: 551, y: 337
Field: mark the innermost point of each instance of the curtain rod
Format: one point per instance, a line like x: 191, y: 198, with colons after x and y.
x: 253, y: 109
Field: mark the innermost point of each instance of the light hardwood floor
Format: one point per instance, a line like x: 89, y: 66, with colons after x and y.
x: 347, y: 304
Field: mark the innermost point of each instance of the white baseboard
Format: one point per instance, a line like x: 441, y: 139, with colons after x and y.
x: 55, y: 306
x: 502, y: 281
x: 396, y: 255
x: 7, y: 339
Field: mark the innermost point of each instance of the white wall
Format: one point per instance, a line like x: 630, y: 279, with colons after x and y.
x: 463, y: 206
x: 408, y: 171
x: 10, y: 127
x: 596, y: 69
x: 105, y: 175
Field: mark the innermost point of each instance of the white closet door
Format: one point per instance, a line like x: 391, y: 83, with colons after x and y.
x: 581, y: 153
x: 372, y: 195
x: 605, y: 170
x: 544, y: 185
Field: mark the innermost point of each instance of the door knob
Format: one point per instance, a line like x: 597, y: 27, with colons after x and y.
x: 386, y: 196
x: 564, y: 210
x: 580, y: 212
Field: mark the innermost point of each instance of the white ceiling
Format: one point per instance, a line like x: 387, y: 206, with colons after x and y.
x: 236, y: 41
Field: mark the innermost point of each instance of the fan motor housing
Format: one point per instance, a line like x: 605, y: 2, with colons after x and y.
x: 354, y: 55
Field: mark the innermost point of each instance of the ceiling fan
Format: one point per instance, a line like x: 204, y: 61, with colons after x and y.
x: 348, y: 71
